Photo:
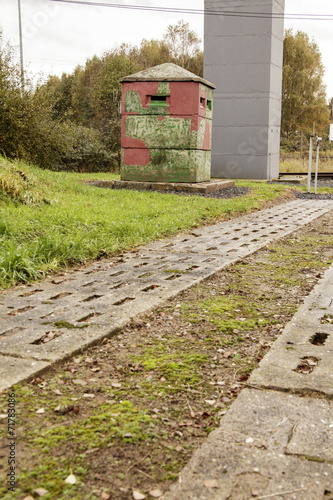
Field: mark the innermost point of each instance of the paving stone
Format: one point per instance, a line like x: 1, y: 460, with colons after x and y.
x: 269, y: 445
x: 53, y: 319
x: 301, y: 358
x: 14, y: 370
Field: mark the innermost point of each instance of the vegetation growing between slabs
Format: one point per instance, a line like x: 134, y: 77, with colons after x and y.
x: 127, y: 414
x: 50, y: 220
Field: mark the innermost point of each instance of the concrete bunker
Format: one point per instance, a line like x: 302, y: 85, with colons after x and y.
x: 166, y: 126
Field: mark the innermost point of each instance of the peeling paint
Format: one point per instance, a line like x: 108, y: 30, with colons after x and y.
x: 166, y: 131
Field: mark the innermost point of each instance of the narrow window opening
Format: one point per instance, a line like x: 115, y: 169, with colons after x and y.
x: 202, y: 102
x: 209, y: 105
x: 158, y: 100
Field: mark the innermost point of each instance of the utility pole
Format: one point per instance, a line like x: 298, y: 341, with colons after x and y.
x: 21, y: 44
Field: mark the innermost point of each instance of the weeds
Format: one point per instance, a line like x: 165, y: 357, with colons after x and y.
x: 83, y: 222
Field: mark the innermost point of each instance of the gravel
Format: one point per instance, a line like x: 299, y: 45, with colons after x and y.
x: 312, y: 196
x: 232, y: 192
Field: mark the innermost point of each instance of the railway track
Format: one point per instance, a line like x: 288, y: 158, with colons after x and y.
x: 321, y: 175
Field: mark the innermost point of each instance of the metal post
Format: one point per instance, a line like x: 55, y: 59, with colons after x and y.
x: 21, y: 43
x: 310, y: 164
x: 317, y: 163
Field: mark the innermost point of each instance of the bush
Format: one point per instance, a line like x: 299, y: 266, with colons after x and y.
x: 85, y: 151
x: 30, y: 131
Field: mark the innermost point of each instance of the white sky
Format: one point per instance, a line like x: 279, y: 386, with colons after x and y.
x: 58, y: 37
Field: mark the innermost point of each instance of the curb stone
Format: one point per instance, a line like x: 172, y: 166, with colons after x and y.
x: 273, y: 443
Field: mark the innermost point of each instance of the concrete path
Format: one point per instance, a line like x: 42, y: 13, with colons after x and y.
x: 44, y: 323
x: 276, y: 441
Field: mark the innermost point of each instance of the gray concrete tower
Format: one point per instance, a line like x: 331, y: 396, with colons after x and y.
x: 243, y: 58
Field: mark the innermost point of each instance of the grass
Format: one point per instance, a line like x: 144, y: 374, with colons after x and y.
x: 49, y: 220
x: 290, y: 163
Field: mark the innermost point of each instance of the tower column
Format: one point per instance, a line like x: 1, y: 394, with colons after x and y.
x: 243, y: 57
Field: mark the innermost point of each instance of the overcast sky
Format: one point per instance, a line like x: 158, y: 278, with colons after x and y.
x: 58, y: 37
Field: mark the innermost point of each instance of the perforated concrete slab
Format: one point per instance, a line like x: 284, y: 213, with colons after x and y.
x: 13, y: 370
x: 51, y: 320
x: 269, y: 445
x: 301, y: 359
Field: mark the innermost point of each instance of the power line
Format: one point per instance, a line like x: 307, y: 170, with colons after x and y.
x: 217, y: 12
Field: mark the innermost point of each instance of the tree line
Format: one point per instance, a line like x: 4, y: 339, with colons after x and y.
x: 72, y: 122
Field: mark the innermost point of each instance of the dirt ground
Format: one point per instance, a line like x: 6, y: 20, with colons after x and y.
x: 124, y: 417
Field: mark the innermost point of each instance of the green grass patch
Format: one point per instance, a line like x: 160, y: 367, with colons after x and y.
x: 175, y: 365
x: 229, y: 312
x: 83, y: 222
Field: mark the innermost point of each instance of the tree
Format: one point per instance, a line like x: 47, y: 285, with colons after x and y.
x: 303, y: 90
x: 330, y: 107
x: 153, y: 52
x: 183, y: 43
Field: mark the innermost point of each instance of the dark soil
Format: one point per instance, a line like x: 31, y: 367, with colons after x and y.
x: 127, y: 415
x: 231, y: 192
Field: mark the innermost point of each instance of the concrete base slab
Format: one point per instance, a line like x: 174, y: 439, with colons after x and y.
x: 269, y: 445
x: 199, y: 187
x: 14, y: 370
x: 293, y: 179
x: 301, y: 359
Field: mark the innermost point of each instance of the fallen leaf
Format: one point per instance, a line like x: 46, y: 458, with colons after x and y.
x: 138, y: 496
x: 40, y: 492
x: 128, y: 435
x: 116, y: 385
x: 57, y: 392
x: 211, y: 483
x: 71, y: 479
x: 105, y: 496
x: 37, y: 381
x: 79, y: 381
x: 40, y: 411
x: 96, y: 369
x: 210, y: 402
x: 3, y: 415
x: 88, y: 395
x: 156, y: 493
x: 28, y: 498
x: 92, y: 450
x: 63, y: 409
x: 179, y: 448
x: 311, y: 362
x: 227, y: 354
